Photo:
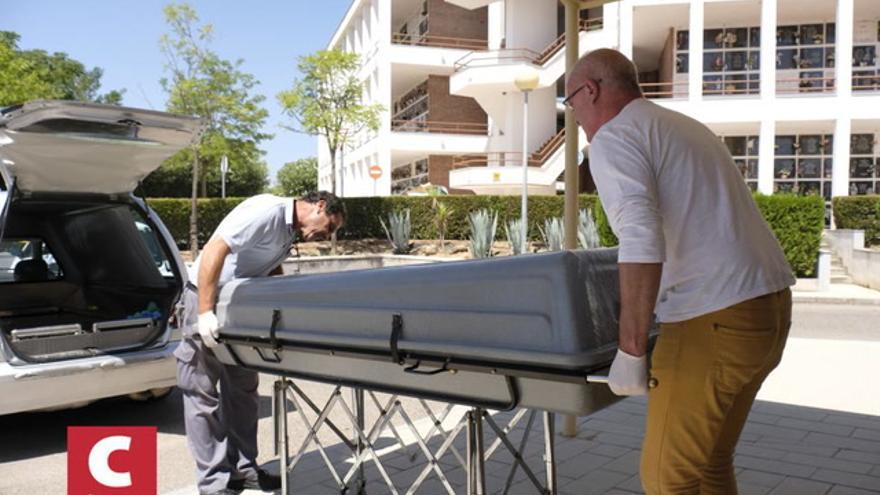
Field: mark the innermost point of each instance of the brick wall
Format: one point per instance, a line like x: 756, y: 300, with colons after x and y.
x: 443, y: 107
x: 445, y: 19
x: 438, y: 169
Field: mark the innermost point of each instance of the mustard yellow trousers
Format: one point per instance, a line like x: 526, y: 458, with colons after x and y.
x: 705, y: 374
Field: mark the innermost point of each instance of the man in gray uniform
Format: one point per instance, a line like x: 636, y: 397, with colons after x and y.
x: 252, y: 241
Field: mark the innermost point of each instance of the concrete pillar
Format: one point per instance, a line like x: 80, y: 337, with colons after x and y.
x: 625, y: 33
x: 840, y: 166
x: 766, y: 154
x: 843, y: 51
x: 695, y: 48
x: 768, y: 50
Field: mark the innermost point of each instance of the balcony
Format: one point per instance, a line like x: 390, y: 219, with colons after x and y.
x: 499, y: 172
x: 420, y: 125
x: 435, y: 41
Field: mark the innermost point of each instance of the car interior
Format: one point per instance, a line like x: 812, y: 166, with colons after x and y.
x: 81, y: 277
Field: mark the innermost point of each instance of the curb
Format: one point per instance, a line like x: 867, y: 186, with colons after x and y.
x: 857, y: 301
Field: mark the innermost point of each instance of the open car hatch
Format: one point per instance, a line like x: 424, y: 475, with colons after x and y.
x: 74, y: 147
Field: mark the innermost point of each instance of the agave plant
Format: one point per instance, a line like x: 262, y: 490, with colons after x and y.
x: 553, y: 234
x: 588, y: 234
x: 399, y: 233
x: 483, y: 224
x: 514, y: 230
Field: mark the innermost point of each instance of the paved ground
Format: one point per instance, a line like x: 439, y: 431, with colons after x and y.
x: 825, y: 440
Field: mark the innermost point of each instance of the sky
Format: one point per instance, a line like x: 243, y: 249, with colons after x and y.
x: 122, y: 37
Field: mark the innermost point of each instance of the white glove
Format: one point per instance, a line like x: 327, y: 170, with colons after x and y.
x: 629, y: 374
x: 209, y: 328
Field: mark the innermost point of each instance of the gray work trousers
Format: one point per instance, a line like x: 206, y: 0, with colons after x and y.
x: 220, y: 408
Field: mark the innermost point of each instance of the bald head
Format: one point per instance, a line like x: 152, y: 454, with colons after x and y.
x: 601, y: 84
x: 611, y: 67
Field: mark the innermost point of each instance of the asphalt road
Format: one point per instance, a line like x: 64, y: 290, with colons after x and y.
x: 33, y: 445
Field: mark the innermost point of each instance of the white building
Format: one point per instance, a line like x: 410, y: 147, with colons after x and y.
x: 793, y: 86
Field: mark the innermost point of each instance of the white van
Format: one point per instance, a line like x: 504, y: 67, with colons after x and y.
x: 89, y: 276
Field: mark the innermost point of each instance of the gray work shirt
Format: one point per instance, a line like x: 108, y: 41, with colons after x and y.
x: 259, y: 233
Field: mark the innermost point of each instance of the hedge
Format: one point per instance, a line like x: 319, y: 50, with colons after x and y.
x: 174, y: 213
x: 364, y: 213
x: 859, y: 212
x: 797, y: 221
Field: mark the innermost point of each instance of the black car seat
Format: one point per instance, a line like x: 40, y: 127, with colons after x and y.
x: 35, y: 270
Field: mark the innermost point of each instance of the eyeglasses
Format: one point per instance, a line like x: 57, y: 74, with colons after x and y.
x: 567, y: 100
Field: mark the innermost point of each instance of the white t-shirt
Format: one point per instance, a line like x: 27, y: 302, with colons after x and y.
x: 674, y: 196
x: 259, y: 233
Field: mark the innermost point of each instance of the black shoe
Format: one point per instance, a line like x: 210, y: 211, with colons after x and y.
x: 264, y: 481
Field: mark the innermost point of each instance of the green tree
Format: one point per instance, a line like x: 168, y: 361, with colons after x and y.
x: 36, y: 74
x: 327, y: 101
x: 298, y: 177
x: 203, y: 84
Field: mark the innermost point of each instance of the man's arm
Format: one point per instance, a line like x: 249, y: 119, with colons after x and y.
x: 639, y: 284
x: 210, y: 267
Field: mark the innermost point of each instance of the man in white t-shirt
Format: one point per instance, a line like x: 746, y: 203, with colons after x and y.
x: 695, y: 251
x: 220, y: 402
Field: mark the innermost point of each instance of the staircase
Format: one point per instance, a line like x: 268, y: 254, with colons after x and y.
x: 838, y: 272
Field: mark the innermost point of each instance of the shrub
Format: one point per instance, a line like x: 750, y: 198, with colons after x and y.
x: 797, y: 222
x: 174, y: 213
x: 399, y: 234
x: 861, y: 213
x: 513, y: 229
x: 483, y: 224
x: 553, y: 234
x: 588, y: 236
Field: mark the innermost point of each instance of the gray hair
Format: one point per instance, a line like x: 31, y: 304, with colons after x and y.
x: 610, y: 67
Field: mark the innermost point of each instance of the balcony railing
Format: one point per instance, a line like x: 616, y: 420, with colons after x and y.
x: 435, y: 41
x: 513, y: 55
x: 671, y: 89
x: 791, y: 85
x: 433, y: 126
x: 511, y: 158
x: 812, y: 84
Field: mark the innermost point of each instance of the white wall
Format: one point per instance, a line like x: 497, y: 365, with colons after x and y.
x: 530, y: 23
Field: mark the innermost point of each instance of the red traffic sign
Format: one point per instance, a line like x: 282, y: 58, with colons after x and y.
x: 375, y: 172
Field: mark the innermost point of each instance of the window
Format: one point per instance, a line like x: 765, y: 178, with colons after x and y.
x: 803, y: 164
x: 864, y: 165
x: 409, y: 176
x: 744, y: 150
x: 731, y: 58
x: 156, y: 252
x: 805, y: 58
x: 27, y: 260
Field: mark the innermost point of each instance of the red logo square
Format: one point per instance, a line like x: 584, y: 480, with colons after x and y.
x: 111, y: 460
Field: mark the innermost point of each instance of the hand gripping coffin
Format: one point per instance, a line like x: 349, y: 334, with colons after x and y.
x: 520, y: 331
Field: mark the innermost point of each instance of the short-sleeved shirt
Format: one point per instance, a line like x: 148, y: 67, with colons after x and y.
x: 673, y: 195
x: 259, y: 233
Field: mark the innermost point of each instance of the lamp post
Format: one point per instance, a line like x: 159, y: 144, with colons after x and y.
x: 526, y: 82
x: 224, y: 167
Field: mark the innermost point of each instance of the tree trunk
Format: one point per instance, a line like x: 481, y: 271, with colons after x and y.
x: 194, y: 212
x: 333, y: 190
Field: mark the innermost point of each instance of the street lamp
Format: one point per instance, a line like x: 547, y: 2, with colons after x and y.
x: 224, y: 168
x: 526, y: 82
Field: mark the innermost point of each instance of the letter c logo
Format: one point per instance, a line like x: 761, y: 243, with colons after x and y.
x: 99, y: 462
